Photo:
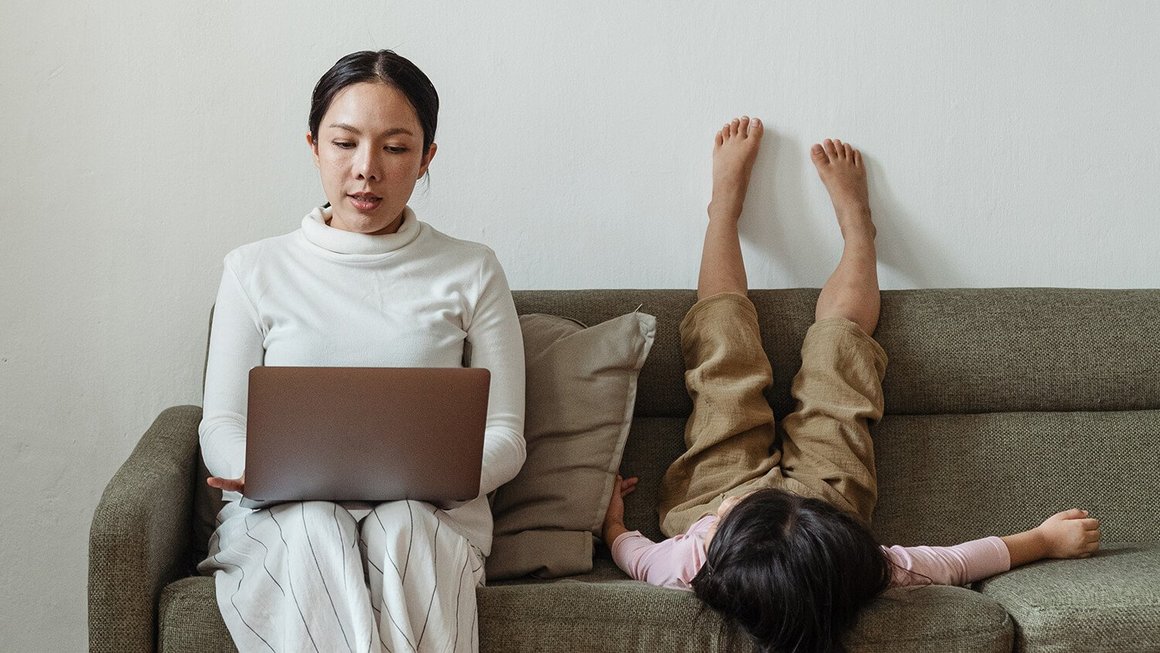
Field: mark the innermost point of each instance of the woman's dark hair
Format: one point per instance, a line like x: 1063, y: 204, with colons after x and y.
x: 384, y: 67
x: 793, y: 572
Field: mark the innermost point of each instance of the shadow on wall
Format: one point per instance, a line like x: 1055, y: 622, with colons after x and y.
x: 777, y: 223
x: 905, y: 245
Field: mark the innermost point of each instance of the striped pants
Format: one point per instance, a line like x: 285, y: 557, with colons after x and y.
x: 315, y: 576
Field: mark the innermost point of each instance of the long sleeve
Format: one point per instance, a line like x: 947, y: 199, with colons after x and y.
x: 948, y: 565
x: 497, y: 344
x: 321, y: 296
x: 675, y: 561
x: 672, y: 563
x: 235, y: 347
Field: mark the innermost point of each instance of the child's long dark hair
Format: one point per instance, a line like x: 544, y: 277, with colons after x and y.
x: 793, y: 572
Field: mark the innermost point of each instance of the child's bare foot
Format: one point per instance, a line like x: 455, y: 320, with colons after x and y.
x: 840, y: 167
x: 734, y: 151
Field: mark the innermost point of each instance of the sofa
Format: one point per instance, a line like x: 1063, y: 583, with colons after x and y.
x: 1003, y: 406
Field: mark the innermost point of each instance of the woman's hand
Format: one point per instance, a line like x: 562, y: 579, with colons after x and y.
x: 614, y: 518
x: 228, y: 484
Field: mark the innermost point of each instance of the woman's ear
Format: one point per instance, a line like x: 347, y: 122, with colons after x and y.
x: 426, y: 160
x: 313, y: 147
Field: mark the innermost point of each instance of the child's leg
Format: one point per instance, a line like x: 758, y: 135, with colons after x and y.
x: 734, y: 150
x: 827, y: 445
x: 729, y: 434
x: 851, y: 291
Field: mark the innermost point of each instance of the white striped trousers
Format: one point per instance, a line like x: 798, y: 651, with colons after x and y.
x: 314, y: 576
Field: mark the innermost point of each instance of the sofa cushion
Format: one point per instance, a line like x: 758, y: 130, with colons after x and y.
x: 603, y: 611
x: 1109, y: 602
x: 932, y: 618
x: 972, y: 350
x: 581, y: 388
x: 625, y: 615
x: 662, y: 394
x: 944, y: 479
x: 188, y: 619
x: 951, y: 350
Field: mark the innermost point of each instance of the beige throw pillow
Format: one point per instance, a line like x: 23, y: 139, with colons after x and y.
x: 581, y: 388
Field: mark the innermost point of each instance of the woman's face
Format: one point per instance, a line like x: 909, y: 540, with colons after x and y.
x: 369, y: 153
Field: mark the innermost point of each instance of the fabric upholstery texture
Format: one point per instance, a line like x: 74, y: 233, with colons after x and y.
x: 1002, y: 407
x: 141, y: 533
x: 969, y: 350
x: 1110, y: 602
x: 605, y: 612
x: 944, y: 479
x: 581, y: 387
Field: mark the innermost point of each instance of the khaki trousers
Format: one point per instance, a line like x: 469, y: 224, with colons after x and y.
x: 822, y: 450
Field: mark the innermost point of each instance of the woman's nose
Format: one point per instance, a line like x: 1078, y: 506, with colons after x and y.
x: 366, y: 165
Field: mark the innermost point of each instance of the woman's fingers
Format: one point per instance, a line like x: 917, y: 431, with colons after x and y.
x: 226, y: 484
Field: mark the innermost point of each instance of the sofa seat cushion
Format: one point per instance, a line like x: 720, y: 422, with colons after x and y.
x: 1109, y: 602
x: 607, y: 612
x: 188, y: 620
x: 932, y: 618
x: 625, y: 615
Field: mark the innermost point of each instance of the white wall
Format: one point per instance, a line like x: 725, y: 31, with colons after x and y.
x: 1010, y: 144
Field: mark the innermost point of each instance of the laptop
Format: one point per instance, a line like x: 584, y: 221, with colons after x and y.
x: 364, y: 433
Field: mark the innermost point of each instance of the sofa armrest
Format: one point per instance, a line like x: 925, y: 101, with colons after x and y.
x: 141, y: 535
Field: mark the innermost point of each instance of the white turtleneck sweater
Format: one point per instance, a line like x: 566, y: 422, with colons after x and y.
x: 327, y: 297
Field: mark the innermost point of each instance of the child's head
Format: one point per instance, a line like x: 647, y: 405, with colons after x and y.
x: 793, y: 572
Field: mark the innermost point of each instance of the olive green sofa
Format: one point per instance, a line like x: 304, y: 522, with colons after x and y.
x: 1002, y: 406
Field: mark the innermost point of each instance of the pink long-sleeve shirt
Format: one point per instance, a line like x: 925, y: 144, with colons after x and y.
x: 675, y: 561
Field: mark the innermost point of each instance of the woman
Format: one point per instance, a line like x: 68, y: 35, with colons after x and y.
x: 361, y: 283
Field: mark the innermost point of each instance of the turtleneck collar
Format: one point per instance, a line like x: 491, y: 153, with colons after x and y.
x: 319, y: 233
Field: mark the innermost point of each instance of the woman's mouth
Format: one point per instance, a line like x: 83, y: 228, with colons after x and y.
x: 365, y: 201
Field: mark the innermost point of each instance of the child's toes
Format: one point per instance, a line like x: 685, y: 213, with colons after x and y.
x: 831, y: 150
x: 818, y: 154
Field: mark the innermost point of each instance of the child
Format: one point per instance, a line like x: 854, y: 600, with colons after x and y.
x: 769, y: 527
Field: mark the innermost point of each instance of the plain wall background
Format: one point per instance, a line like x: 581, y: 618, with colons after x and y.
x: 1009, y: 144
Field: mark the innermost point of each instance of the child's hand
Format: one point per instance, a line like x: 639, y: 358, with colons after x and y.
x: 1070, y: 534
x: 614, y: 518
x: 1067, y: 534
x: 621, y: 488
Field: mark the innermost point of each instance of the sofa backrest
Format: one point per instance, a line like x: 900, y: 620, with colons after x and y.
x: 1003, y: 406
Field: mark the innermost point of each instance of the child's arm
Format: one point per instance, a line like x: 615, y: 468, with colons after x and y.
x: 1067, y: 534
x: 614, y: 518
x: 671, y: 563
